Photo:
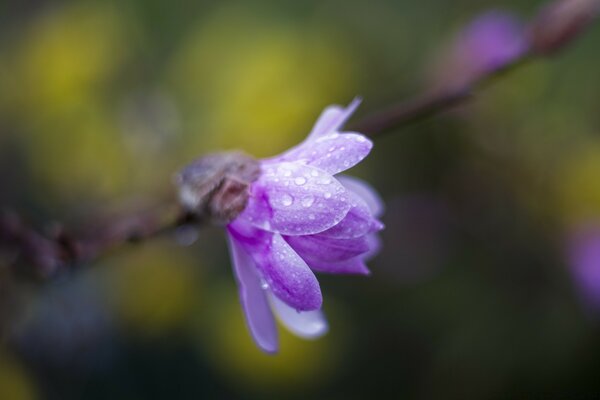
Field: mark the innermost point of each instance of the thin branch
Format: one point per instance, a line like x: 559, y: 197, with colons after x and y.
x: 32, y: 254
x: 430, y: 103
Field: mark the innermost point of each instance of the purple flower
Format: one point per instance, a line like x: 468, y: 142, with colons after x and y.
x: 492, y: 41
x: 584, y: 261
x: 301, y: 219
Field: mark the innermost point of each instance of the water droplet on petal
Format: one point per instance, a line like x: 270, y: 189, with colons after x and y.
x: 264, y: 285
x: 287, y: 173
x: 327, y: 195
x: 308, y: 201
x: 287, y: 200
x: 360, y: 139
x: 314, y: 173
x: 300, y: 181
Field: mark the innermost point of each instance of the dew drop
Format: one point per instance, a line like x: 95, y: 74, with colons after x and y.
x: 300, y: 181
x: 327, y: 195
x: 314, y: 173
x: 287, y: 200
x: 360, y: 139
x: 264, y: 285
x: 287, y: 173
x: 308, y: 201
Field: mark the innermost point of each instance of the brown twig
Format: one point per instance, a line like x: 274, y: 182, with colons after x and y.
x: 32, y: 254
x: 431, y: 103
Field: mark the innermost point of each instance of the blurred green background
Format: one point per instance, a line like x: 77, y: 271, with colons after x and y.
x: 472, y: 296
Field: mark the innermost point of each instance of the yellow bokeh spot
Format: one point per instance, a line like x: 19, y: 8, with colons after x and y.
x: 153, y: 289
x: 15, y: 384
x: 85, y: 155
x: 68, y: 53
x: 249, y: 83
x: 578, y: 184
x: 62, y: 71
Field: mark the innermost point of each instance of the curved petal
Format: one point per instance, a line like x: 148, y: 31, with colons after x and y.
x: 296, y: 199
x: 335, y: 152
x: 259, y: 317
x: 282, y: 269
x: 365, y: 192
x: 306, y: 324
x: 353, y: 266
x: 333, y: 118
x: 328, y: 249
x: 358, y: 222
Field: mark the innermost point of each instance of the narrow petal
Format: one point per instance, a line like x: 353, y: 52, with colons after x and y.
x: 259, y: 317
x: 296, y: 199
x: 306, y: 324
x: 335, y: 152
x: 330, y: 121
x: 353, y: 266
x: 328, y: 249
x: 333, y: 118
x: 282, y: 269
x: 364, y: 191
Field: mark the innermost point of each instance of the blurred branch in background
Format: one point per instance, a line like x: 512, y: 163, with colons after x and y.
x: 555, y: 27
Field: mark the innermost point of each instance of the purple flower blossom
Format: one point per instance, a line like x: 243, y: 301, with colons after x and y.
x: 584, y: 261
x: 492, y: 40
x: 301, y: 219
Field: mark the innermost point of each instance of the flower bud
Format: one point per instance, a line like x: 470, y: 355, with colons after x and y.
x: 217, y: 186
x: 561, y: 22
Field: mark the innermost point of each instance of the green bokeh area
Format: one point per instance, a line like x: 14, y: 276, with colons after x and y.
x: 472, y: 296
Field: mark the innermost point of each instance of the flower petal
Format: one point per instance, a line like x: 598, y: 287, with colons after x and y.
x: 283, y: 270
x: 333, y: 118
x: 353, y: 266
x: 356, y: 223
x: 306, y: 324
x: 328, y: 249
x: 365, y: 192
x: 335, y: 152
x: 259, y: 317
x: 296, y: 199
